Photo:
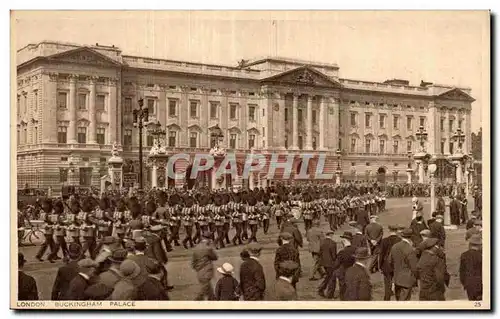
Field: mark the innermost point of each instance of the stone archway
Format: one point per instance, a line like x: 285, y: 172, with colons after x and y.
x: 381, y: 174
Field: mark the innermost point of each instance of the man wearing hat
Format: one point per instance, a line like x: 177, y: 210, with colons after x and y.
x: 327, y: 260
x: 80, y: 283
x: 126, y: 287
x: 357, y: 277
x: 476, y: 230
x: 252, y: 278
x: 417, y: 225
x: 284, y: 290
x: 27, y: 288
x: 437, y: 230
x: 287, y: 252
x: 111, y: 276
x: 202, y: 262
x: 403, y: 261
x: 227, y: 287
x: 431, y: 271
x: 362, y: 218
x: 140, y: 258
x: 107, y: 245
x: 290, y: 226
x: 345, y: 259
x: 67, y: 272
x: 384, y: 261
x: 153, y: 288
x: 314, y: 237
x: 359, y: 238
x: 471, y: 268
x: 374, y: 233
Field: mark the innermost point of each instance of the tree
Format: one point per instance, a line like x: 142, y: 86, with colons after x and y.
x: 476, y: 144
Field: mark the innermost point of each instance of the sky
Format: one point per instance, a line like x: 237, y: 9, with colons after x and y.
x: 445, y: 47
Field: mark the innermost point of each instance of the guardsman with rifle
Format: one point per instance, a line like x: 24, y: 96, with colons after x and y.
x: 160, y: 217
x: 187, y: 221
x: 103, y: 218
x: 87, y: 223
x: 135, y: 228
x: 147, y: 217
x: 196, y: 210
x: 253, y: 217
x: 236, y: 217
x: 307, y: 210
x: 277, y: 211
x: 71, y: 222
x: 49, y: 220
x: 244, y: 216
x: 59, y: 233
x: 227, y: 217
x: 265, y: 213
x: 174, y: 218
x: 219, y: 221
x: 119, y: 223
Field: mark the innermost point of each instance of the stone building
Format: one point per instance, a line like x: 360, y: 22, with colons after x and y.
x: 74, y: 102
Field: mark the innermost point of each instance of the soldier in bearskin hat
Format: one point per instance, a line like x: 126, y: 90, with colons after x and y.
x: 103, y: 217
x: 45, y: 216
x: 236, y: 217
x: 253, y: 217
x: 119, y: 223
x: 307, y: 209
x: 187, y: 221
x: 244, y: 215
x: 174, y: 216
x: 60, y: 241
x: 219, y: 221
x: 88, y: 229
x: 277, y: 210
x: 227, y: 217
x: 265, y: 212
x: 70, y: 222
x: 202, y: 217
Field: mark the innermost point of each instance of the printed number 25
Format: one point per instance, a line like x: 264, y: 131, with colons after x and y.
x: 477, y: 304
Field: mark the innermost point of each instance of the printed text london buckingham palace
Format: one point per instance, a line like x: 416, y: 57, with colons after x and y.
x: 74, y: 102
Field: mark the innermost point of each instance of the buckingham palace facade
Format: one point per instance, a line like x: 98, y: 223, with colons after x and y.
x: 74, y: 102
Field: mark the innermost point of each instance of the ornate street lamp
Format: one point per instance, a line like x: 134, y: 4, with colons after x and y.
x: 422, y: 137
x: 459, y: 137
x: 217, y: 133
x: 421, y: 156
x: 156, y: 131
x: 140, y: 117
x: 339, y: 168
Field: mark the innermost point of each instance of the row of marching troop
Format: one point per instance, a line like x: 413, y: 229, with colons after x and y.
x: 131, y: 264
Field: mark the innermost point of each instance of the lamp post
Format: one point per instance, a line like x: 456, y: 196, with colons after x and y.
x: 421, y: 154
x: 458, y: 157
x: 219, y: 153
x: 432, y: 169
x: 409, y: 170
x: 338, y: 152
x: 140, y: 117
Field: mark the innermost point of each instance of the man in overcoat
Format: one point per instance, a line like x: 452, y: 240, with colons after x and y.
x: 252, y: 278
x: 471, y: 269
x: 403, y: 261
x: 384, y: 259
x: 357, y: 277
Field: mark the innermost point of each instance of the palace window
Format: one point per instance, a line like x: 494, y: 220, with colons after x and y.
x: 299, y: 115
x: 85, y: 176
x: 232, y: 111
x: 127, y: 137
x: 172, y: 108
x: 25, y: 136
x: 441, y: 124
x: 353, y: 119
x: 35, y: 135
x: 314, y: 143
x: 193, y: 109
x: 395, y: 147
x: 150, y: 140
x: 63, y: 175
x: 451, y: 147
x: 382, y: 121
x: 151, y: 106
x: 232, y: 141
x: 300, y: 142
x: 127, y: 105
x: 450, y: 126
x: 35, y: 101
x: 193, y: 139
x: 251, y: 140
x: 286, y: 114
x: 422, y: 121
x: 82, y: 101
x: 251, y: 113
x: 213, y: 140
x: 368, y: 145
x: 286, y: 141
x: 101, y: 135
x: 409, y: 123
x: 443, y: 143
x: 382, y: 147
x: 460, y: 124
x: 314, y: 117
x: 100, y: 102
x: 395, y: 122
x: 409, y: 146
x: 353, y: 145
x: 213, y: 110
x: 172, y: 138
x: 62, y: 102
x: 368, y: 120
x: 82, y: 135
x: 62, y: 134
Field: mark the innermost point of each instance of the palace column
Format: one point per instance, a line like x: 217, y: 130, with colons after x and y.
x: 92, y: 139
x: 322, y: 106
x: 295, y: 122
x: 309, y: 125
x: 72, y: 109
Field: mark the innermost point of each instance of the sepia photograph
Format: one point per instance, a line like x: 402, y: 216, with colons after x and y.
x: 250, y: 160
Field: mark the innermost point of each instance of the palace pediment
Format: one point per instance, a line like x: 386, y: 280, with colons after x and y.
x: 303, y: 76
x: 456, y: 95
x: 83, y: 56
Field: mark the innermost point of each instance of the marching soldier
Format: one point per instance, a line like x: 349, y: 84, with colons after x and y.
x: 60, y: 242
x: 219, y: 222
x: 87, y: 224
x: 187, y: 221
x: 277, y: 211
x: 174, y: 218
x: 253, y: 217
x: 103, y: 218
x: 119, y: 223
x: 50, y: 220
x: 71, y: 223
x: 236, y: 217
x: 159, y: 217
x: 264, y: 213
x: 227, y: 217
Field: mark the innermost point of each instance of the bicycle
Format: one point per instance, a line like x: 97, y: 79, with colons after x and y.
x: 33, y: 234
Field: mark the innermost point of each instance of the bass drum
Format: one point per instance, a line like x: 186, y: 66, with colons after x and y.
x: 296, y: 212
